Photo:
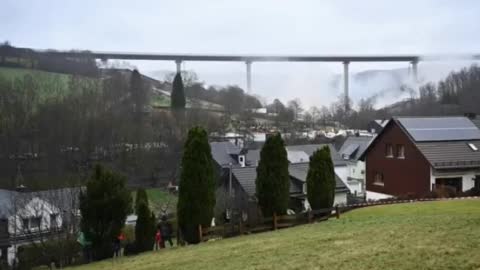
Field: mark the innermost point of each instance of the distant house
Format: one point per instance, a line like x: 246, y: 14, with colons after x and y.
x: 416, y: 155
x: 27, y: 217
x: 351, y: 150
x: 240, y: 166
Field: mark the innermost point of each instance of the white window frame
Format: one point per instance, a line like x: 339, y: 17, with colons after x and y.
x: 400, y: 146
x: 378, y: 182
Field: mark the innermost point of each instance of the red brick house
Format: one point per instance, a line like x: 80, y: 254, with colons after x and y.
x: 413, y: 155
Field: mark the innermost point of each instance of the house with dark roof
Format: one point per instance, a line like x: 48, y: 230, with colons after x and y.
x: 237, y: 172
x: 414, y: 155
x: 350, y: 151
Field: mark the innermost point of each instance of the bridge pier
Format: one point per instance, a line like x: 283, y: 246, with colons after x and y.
x: 179, y: 65
x: 415, y: 75
x: 249, y: 76
x: 345, y: 85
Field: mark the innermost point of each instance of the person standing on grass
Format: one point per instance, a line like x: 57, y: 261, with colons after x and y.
x: 158, y: 240
x: 166, y: 229
x: 116, y: 247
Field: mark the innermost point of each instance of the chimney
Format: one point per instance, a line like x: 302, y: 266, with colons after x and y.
x: 241, y: 160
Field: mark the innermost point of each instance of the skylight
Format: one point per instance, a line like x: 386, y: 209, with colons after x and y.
x: 472, y: 146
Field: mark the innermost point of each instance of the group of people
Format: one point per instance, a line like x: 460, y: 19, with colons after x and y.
x: 163, y: 234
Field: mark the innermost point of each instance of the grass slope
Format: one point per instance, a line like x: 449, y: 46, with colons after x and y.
x: 158, y: 199
x: 48, y: 84
x: 429, y: 235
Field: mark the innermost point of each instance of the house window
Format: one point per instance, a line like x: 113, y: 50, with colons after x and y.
x: 3, y: 227
x: 389, y: 151
x: 400, y: 151
x: 473, y: 147
x: 26, y: 224
x: 378, y: 180
x: 53, y: 221
x: 35, y: 222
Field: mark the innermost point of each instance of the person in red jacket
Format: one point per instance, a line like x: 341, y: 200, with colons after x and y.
x: 158, y: 240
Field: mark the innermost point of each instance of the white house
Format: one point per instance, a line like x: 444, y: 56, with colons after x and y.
x: 351, y: 150
x: 27, y: 217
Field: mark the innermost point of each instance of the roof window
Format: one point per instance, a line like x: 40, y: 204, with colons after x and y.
x: 472, y: 146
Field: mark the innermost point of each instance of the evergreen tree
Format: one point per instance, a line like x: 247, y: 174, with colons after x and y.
x: 196, y: 197
x: 273, y: 180
x: 137, y: 91
x: 177, y: 97
x: 321, y: 180
x: 141, y: 196
x: 104, y: 206
x: 145, y: 226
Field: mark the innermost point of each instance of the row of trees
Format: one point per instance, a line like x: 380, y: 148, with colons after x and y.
x: 273, y: 179
x: 11, y: 56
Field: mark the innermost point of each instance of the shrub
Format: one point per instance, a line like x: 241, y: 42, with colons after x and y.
x: 60, y: 252
x: 442, y: 192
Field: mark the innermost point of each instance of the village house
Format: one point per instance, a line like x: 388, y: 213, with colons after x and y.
x: 414, y: 155
x: 27, y: 217
x: 351, y: 150
x: 237, y: 173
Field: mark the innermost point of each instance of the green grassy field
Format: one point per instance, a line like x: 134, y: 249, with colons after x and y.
x: 159, y: 199
x: 428, y: 235
x: 48, y: 84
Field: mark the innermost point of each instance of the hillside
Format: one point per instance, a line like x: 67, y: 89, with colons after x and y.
x: 428, y: 235
x: 53, y: 85
x: 48, y: 84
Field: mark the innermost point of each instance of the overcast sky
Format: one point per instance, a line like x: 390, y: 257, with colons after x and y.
x: 251, y: 27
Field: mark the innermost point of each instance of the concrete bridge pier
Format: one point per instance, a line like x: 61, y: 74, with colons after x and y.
x: 415, y: 75
x: 249, y: 76
x: 345, y: 85
x: 179, y: 65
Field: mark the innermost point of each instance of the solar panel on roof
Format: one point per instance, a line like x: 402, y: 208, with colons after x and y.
x: 441, y: 129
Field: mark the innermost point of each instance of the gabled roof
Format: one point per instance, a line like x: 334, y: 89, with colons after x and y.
x: 354, y: 146
x: 294, y: 151
x: 300, y: 171
x: 427, y: 129
x: 451, y: 154
x: 246, y: 177
x: 222, y: 152
x: 449, y: 149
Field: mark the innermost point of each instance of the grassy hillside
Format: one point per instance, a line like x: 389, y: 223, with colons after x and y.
x: 429, y: 235
x: 159, y: 200
x: 48, y: 84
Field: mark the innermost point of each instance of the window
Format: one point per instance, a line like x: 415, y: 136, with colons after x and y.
x: 378, y: 180
x: 35, y: 223
x: 53, y: 221
x: 400, y: 151
x: 389, y: 151
x: 26, y: 224
x: 473, y: 147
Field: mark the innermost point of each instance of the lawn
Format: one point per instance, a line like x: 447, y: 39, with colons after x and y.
x: 158, y: 199
x: 48, y: 85
x: 427, y: 235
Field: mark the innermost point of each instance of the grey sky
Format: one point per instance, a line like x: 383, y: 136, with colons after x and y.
x: 249, y: 26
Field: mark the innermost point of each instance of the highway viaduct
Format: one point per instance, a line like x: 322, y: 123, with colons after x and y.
x: 249, y: 59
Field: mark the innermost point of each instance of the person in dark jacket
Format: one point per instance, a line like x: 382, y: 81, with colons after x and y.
x: 166, y: 228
